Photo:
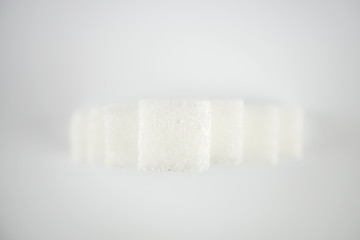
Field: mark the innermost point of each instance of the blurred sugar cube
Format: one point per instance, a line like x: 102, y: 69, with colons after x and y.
x: 227, y: 131
x: 95, y: 135
x: 261, y: 129
x: 121, y: 135
x: 290, y: 132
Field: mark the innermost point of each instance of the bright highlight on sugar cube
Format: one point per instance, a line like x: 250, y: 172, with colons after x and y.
x: 186, y: 135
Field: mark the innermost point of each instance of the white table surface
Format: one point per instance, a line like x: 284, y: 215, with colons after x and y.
x: 56, y: 56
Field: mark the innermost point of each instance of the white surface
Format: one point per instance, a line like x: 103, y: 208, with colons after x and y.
x: 291, y: 121
x: 57, y: 56
x: 174, y: 135
x: 261, y: 134
x: 121, y: 135
x: 95, y: 136
x: 78, y: 136
x: 227, y: 131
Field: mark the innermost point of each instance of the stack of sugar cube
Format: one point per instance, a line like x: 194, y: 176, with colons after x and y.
x: 186, y: 135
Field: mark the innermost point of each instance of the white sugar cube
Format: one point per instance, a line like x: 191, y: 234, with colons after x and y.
x: 95, y: 135
x: 78, y: 136
x: 227, y: 131
x: 121, y: 135
x: 290, y: 132
x: 174, y: 135
x: 261, y: 126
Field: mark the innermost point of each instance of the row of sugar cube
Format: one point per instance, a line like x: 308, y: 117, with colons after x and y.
x: 175, y: 135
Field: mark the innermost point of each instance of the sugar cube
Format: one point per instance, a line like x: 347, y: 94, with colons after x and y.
x: 121, y: 135
x: 227, y: 131
x: 261, y: 126
x: 174, y: 135
x: 95, y: 135
x: 290, y: 132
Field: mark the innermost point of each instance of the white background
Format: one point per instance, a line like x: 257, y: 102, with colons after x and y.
x: 57, y: 56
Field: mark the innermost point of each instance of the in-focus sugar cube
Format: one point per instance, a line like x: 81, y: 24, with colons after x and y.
x: 174, y: 135
x: 78, y: 136
x: 121, y: 135
x: 261, y: 127
x: 227, y: 131
x: 95, y: 135
x: 290, y: 132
